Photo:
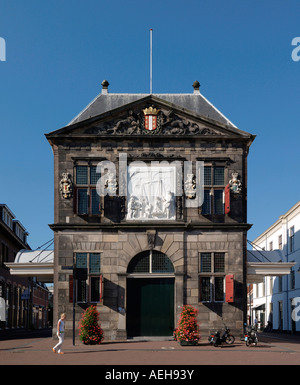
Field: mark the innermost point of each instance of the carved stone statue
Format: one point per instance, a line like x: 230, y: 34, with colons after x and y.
x: 133, y: 208
x: 169, y: 205
x: 111, y: 184
x: 129, y: 125
x: 190, y: 186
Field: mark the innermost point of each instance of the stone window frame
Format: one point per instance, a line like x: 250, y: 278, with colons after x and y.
x: 90, y: 276
x: 212, y: 188
x: 215, y: 162
x: 212, y: 274
x: 91, y: 187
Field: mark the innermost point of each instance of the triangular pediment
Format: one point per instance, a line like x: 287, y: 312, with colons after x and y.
x: 166, y: 119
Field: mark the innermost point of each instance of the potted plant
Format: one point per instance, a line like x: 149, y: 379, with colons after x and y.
x: 90, y: 332
x: 187, y: 331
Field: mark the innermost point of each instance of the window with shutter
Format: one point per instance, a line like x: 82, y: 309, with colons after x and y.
x: 211, y: 277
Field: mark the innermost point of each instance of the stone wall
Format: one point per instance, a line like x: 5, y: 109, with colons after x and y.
x: 182, y: 247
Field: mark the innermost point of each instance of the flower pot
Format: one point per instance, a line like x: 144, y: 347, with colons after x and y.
x: 188, y: 343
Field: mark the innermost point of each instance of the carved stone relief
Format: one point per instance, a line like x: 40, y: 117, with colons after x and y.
x: 151, y: 193
x: 167, y: 123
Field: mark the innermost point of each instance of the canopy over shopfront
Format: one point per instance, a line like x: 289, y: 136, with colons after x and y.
x: 262, y: 263
x: 33, y: 263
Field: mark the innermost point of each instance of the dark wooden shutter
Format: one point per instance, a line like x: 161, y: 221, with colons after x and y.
x: 229, y: 288
x: 227, y: 199
x: 101, y: 288
x: 71, y: 283
x: 75, y: 200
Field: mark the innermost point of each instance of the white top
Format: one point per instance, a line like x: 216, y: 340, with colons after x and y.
x: 61, y: 326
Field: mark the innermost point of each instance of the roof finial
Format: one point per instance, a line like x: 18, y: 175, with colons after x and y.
x: 196, y: 86
x: 105, y: 85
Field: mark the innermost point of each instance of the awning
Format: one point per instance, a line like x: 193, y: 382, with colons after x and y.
x: 261, y: 306
x: 264, y: 263
x: 33, y: 263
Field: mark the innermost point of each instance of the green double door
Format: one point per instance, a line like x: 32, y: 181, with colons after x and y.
x: 150, y: 307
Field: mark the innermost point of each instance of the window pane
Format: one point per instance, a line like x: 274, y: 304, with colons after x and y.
x: 81, y: 260
x: 206, y: 203
x: 292, y: 280
x: 205, y: 265
x: 205, y: 289
x: 219, y: 288
x: 82, y: 175
x: 161, y: 263
x: 219, y: 263
x: 94, y: 263
x: 83, y: 201
x: 95, y: 202
x: 95, y: 289
x: 218, y: 202
x: 207, y: 175
x: 93, y: 175
x: 219, y: 176
x: 140, y: 263
x: 81, y: 291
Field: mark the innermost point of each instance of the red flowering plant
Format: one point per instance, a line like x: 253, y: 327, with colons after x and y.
x: 187, y: 330
x: 90, y: 332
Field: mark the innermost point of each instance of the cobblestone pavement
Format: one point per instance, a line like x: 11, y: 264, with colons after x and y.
x: 35, y: 349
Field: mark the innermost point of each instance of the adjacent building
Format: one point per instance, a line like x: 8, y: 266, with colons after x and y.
x: 13, y: 237
x: 24, y: 301
x: 276, y: 300
x: 150, y: 213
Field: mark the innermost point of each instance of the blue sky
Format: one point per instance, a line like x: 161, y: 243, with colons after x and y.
x: 58, y: 53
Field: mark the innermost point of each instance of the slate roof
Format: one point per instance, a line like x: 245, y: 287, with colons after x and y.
x: 195, y: 102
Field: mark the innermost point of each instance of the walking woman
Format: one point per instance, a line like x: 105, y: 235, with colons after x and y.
x: 60, y: 334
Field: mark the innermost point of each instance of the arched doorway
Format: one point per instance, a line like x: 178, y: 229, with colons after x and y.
x: 150, y: 295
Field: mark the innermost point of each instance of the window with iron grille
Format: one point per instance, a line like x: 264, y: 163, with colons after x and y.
x: 214, y: 185
x: 211, y: 277
x: 87, y: 200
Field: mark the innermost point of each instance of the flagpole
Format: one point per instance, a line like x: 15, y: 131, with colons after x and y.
x: 151, y: 61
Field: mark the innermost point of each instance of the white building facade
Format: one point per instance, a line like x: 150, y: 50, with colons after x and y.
x: 276, y: 300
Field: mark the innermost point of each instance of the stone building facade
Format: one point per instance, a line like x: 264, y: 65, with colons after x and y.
x: 151, y: 209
